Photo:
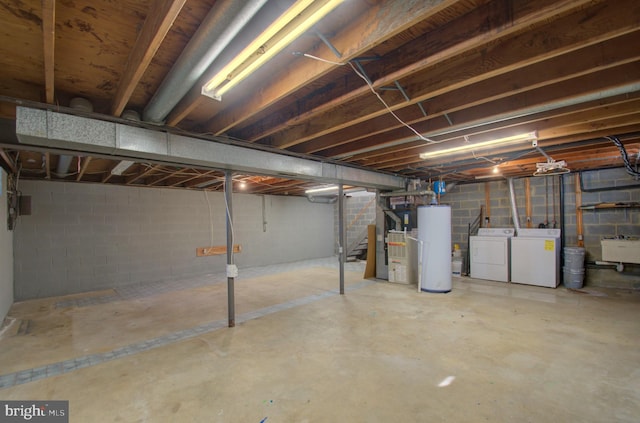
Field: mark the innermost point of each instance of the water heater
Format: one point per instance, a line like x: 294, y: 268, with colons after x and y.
x: 434, y: 231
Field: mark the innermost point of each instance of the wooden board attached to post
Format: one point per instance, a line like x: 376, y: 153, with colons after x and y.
x: 216, y: 251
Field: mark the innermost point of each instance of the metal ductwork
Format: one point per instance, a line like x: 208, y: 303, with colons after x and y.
x: 45, y: 128
x: 64, y: 161
x: 219, y: 28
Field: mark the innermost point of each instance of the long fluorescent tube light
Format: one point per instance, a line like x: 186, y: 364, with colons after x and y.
x: 301, y: 16
x: 121, y: 167
x: 323, y: 189
x: 469, y: 146
x: 207, y: 183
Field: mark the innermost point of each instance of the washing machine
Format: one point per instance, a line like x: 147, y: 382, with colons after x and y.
x: 489, y: 254
x: 535, y: 257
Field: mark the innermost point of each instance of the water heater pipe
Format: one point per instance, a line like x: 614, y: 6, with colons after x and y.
x: 514, y: 207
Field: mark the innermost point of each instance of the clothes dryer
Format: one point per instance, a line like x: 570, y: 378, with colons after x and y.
x: 489, y: 254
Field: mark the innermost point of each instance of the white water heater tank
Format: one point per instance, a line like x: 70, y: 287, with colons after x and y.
x: 434, y: 230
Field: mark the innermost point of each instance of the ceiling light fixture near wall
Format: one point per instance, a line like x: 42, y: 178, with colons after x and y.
x: 207, y: 183
x: 301, y: 16
x: 322, y: 189
x: 472, y: 146
x: 121, y: 167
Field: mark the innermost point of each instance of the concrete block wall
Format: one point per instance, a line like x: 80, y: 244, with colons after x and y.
x: 83, y: 237
x: 617, y: 186
x: 6, y: 252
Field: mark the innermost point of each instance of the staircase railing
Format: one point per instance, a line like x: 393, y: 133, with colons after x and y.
x: 472, y: 230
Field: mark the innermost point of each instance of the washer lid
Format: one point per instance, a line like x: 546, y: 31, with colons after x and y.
x: 501, y: 232
x: 539, y: 233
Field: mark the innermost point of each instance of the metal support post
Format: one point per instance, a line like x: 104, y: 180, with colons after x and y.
x: 342, y: 254
x: 231, y: 269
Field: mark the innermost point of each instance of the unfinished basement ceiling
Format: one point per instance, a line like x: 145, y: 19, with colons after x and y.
x: 454, y: 72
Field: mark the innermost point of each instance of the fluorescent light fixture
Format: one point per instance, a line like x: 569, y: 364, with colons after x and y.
x: 489, y: 176
x: 121, y: 167
x: 301, y: 16
x: 207, y: 183
x: 321, y: 189
x: 472, y: 146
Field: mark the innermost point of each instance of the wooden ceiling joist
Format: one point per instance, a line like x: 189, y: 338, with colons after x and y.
x: 85, y: 166
x: 523, y: 17
x: 8, y: 161
x: 462, y: 71
x: 161, y: 16
x: 49, y: 42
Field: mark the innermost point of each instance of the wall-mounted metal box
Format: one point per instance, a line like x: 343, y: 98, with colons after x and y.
x: 621, y: 250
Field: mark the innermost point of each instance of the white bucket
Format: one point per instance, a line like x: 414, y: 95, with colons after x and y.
x: 456, y: 267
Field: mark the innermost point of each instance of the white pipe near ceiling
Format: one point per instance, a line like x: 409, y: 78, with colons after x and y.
x: 514, y: 207
x: 64, y: 163
x: 221, y: 25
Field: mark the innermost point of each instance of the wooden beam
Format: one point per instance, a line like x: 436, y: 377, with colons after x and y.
x: 216, y: 250
x: 47, y: 164
x: 592, y: 83
x: 131, y: 179
x: 157, y: 179
x: 10, y: 163
x: 191, y: 178
x: 106, y: 177
x: 569, y: 33
x: 188, y: 104
x: 49, y: 41
x: 369, y: 157
x: 588, y: 133
x: 608, y: 54
x: 85, y: 165
x: 162, y: 14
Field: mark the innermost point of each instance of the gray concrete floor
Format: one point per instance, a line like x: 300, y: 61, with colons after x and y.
x: 487, y: 351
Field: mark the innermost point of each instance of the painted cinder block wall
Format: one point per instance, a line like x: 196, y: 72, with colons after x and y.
x: 466, y: 200
x: 83, y: 237
x: 6, y: 252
